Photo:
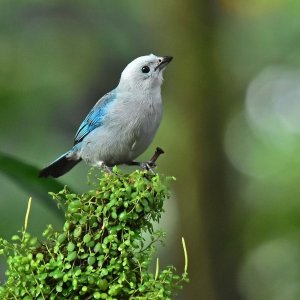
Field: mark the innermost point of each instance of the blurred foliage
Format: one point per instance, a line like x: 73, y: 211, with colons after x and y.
x: 230, y: 128
x: 101, y: 252
x: 25, y: 175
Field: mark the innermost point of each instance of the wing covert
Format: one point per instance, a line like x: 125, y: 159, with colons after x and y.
x: 95, y: 117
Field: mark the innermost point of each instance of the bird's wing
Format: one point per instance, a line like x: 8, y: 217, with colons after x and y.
x: 95, y: 117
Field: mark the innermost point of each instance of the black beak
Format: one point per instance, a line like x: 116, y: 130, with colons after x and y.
x: 163, y: 63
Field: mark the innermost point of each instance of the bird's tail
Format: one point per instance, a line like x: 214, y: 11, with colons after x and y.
x: 60, y: 166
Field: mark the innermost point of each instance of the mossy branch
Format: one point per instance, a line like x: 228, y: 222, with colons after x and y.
x: 100, y: 253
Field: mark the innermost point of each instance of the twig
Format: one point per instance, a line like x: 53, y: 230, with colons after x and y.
x: 157, y: 269
x: 185, y: 255
x: 27, y: 214
x: 156, y: 155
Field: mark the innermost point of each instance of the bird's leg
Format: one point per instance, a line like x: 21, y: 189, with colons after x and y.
x: 150, y: 164
x: 104, y: 167
x: 144, y: 165
x: 107, y: 169
x: 153, y: 159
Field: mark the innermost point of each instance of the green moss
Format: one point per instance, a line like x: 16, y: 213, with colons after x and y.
x: 100, y: 253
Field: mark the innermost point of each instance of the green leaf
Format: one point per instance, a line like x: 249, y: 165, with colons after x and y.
x: 87, y: 238
x: 26, y: 176
x: 97, y: 295
x: 72, y: 256
x: 61, y: 238
x: 77, y: 232
x: 70, y: 247
x: 91, y: 260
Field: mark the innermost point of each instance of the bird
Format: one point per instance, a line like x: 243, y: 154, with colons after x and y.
x: 122, y: 124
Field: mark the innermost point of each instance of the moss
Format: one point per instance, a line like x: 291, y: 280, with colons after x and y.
x: 100, y: 253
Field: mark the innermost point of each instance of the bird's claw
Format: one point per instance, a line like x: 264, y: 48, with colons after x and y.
x: 148, y: 166
x: 105, y: 168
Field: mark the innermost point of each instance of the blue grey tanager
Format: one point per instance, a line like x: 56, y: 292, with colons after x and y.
x: 122, y: 124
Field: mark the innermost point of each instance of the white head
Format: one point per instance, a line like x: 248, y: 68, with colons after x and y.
x: 145, y: 72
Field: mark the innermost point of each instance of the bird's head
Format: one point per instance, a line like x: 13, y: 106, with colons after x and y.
x: 145, y: 72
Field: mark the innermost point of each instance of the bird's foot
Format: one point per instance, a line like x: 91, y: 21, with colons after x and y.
x: 107, y: 169
x: 151, y: 164
x: 148, y: 166
x: 104, y: 167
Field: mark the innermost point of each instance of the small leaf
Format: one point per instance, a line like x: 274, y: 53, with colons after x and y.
x: 61, y: 238
x: 86, y: 238
x: 77, y: 232
x: 59, y: 289
x: 97, y: 295
x: 40, y: 256
x: 72, y: 256
x: 70, y: 247
x: 91, y: 260
x: 123, y: 216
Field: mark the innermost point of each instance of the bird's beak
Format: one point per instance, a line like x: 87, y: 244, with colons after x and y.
x: 164, y: 61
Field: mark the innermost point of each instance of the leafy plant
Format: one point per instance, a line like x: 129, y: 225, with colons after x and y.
x: 100, y: 253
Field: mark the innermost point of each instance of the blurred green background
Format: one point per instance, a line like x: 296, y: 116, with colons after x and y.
x: 231, y: 126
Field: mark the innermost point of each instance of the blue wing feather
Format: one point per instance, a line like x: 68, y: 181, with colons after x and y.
x: 95, y: 117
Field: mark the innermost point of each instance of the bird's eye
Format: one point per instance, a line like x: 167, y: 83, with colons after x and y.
x: 145, y: 69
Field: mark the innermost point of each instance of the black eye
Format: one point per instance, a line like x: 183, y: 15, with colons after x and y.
x: 145, y: 69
